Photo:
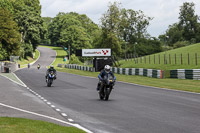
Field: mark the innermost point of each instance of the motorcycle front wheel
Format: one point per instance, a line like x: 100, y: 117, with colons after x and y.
x: 107, y: 93
x: 101, y: 95
x: 49, y: 82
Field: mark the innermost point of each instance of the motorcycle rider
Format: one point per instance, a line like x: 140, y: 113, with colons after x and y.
x: 51, y: 69
x: 38, y: 66
x: 104, y: 72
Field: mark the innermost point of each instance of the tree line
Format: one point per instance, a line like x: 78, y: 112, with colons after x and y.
x: 119, y: 29
x: 21, y: 27
x: 184, y: 32
x: 123, y: 30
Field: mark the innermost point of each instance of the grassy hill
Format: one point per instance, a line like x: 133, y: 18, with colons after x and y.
x: 156, y: 61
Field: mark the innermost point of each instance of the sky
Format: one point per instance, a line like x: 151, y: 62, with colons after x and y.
x: 164, y: 12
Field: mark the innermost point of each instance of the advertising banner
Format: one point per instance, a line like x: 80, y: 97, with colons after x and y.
x: 96, y: 52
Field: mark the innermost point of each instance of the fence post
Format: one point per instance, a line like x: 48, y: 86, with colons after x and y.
x: 164, y: 59
x: 196, y: 58
x: 175, y: 58
x: 159, y: 58
x: 131, y: 56
x: 135, y: 58
x: 128, y: 57
x: 149, y: 59
x: 181, y: 59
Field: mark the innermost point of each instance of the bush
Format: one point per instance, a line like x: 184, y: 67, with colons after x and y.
x: 3, y: 53
x: 75, y: 60
x: 181, y: 44
x: 26, y: 50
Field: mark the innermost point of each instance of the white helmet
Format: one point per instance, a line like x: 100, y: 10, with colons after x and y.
x: 107, y: 68
x: 51, y: 67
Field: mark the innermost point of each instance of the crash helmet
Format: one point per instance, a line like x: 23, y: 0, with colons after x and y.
x: 107, y: 68
x: 51, y: 67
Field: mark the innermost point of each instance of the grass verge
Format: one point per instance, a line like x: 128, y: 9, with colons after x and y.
x: 21, y: 125
x: 176, y: 84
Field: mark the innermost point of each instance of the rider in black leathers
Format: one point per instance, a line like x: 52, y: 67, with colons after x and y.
x: 51, y: 69
x: 104, y: 72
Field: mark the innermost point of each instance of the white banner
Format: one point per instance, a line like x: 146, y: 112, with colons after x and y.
x: 96, y: 52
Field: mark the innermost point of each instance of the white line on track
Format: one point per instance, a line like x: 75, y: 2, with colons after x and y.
x: 45, y: 116
x: 70, y: 120
x: 58, y: 110
x: 48, y: 103
x: 53, y: 106
x: 19, y: 80
x: 63, y: 114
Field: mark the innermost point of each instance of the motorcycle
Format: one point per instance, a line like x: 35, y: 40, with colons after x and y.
x: 38, y: 67
x: 50, y: 79
x: 107, y: 87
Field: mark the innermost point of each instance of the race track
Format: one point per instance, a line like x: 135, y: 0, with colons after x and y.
x: 131, y: 108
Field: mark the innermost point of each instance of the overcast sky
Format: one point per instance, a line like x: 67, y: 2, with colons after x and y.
x: 164, y: 12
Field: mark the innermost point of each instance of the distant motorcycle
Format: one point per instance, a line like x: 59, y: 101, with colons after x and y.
x: 50, y: 78
x: 108, y: 84
x: 38, y: 67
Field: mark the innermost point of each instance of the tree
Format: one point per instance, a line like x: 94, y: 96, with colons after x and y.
x: 133, y: 27
x: 184, y: 31
x: 110, y: 28
x: 76, y: 37
x: 45, y: 33
x: 122, y: 27
x: 72, y: 29
x: 188, y: 22
x: 27, y: 15
x: 86, y: 23
x: 7, y: 4
x: 3, y: 53
x: 175, y: 34
x: 9, y: 34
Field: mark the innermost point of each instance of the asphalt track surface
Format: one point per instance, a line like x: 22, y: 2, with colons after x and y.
x: 131, y: 108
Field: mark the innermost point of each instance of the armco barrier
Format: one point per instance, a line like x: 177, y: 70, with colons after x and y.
x: 138, y: 71
x: 125, y: 71
x: 185, y: 74
x: 78, y: 67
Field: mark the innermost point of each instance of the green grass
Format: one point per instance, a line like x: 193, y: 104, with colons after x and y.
x: 176, y: 84
x: 37, y: 54
x: 191, y: 50
x: 21, y: 125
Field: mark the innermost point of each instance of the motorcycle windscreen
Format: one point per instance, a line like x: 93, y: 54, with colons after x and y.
x: 108, y: 78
